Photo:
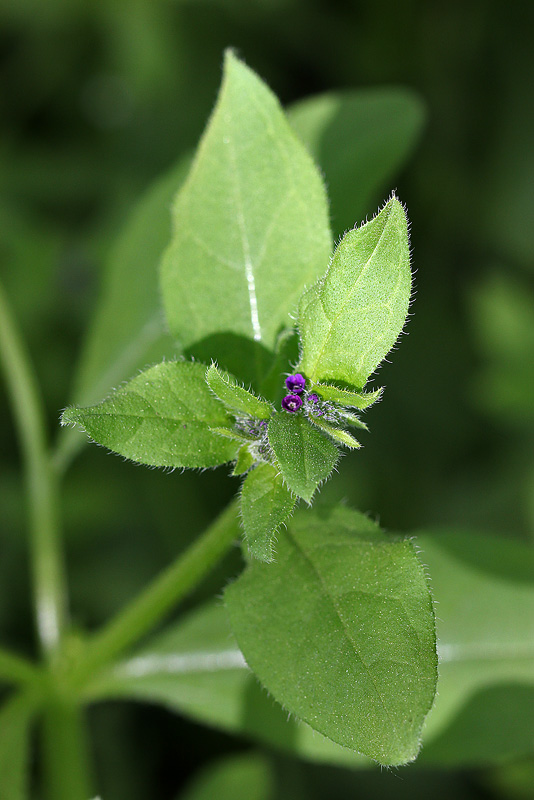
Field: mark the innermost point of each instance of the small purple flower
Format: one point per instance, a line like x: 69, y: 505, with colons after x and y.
x: 296, y: 383
x: 313, y: 398
x: 292, y: 402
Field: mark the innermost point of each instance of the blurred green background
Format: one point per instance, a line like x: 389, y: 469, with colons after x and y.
x: 98, y: 100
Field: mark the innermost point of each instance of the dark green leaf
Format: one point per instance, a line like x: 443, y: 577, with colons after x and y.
x: 304, y: 455
x: 235, y: 397
x: 341, y: 631
x: 162, y: 418
x: 251, y: 222
x: 247, y: 776
x: 266, y: 503
x: 351, y: 319
x: 361, y: 139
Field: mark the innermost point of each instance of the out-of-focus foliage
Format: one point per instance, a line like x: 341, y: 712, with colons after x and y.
x: 98, y: 100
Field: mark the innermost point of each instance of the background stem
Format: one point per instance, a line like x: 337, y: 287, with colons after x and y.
x: 162, y: 594
x: 47, y: 562
x: 66, y: 772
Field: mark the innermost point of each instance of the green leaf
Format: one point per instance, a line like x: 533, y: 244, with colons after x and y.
x: 266, y: 503
x: 484, y: 592
x: 251, y: 223
x: 351, y: 319
x: 346, y: 398
x: 196, y: 669
x: 305, y: 457
x: 361, y: 139
x: 128, y: 331
x: 15, y: 721
x: 340, y: 630
x: 248, y: 775
x: 162, y: 418
x: 235, y: 397
x: 338, y: 434
x: 244, y: 461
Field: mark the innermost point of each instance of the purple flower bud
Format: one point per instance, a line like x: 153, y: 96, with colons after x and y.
x: 291, y: 402
x: 296, y: 383
x: 313, y: 398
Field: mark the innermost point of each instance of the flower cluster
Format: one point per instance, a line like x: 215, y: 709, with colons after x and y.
x: 310, y: 402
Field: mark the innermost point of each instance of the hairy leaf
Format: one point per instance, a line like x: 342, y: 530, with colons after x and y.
x: 339, y: 435
x: 235, y: 397
x: 251, y: 222
x: 340, y: 630
x: 266, y: 503
x: 352, y: 317
x: 346, y: 398
x: 304, y: 455
x: 163, y: 418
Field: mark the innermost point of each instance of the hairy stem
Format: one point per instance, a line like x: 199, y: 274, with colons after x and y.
x: 47, y: 562
x: 162, y: 595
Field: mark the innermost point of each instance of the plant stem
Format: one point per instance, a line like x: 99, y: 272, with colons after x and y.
x: 143, y: 613
x: 66, y: 772
x: 15, y: 669
x: 47, y: 561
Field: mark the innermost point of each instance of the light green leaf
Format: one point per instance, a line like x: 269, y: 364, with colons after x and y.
x: 361, y: 139
x: 247, y: 775
x: 305, y: 457
x: 266, y: 503
x: 352, y: 419
x: 251, y: 223
x: 162, y: 418
x: 340, y: 630
x: 346, y: 398
x: 15, y: 720
x: 244, y: 461
x: 351, y: 319
x: 338, y: 434
x: 235, y: 397
x: 484, y: 591
x: 128, y: 331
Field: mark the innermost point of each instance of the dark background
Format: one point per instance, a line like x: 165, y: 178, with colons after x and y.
x: 100, y: 98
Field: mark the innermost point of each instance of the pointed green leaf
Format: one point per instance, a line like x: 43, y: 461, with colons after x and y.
x: 346, y: 398
x: 266, y: 503
x: 340, y: 630
x: 352, y: 419
x: 162, y: 418
x: 304, y: 455
x: 351, y: 319
x: 244, y: 461
x: 251, y: 222
x: 360, y: 139
x: 128, y: 331
x: 235, y: 397
x: 15, y: 720
x: 338, y: 434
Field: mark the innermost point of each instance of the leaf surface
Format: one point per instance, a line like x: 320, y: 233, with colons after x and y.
x: 304, y: 455
x: 235, y: 397
x: 251, y: 222
x: 361, y: 139
x: 163, y: 417
x: 340, y: 630
x: 246, y: 775
x: 266, y: 503
x: 352, y: 317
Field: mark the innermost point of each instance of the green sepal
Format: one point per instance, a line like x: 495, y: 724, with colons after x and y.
x: 340, y: 436
x: 304, y: 455
x: 345, y: 397
x: 352, y: 419
x: 266, y: 504
x: 244, y: 461
x: 234, y: 397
